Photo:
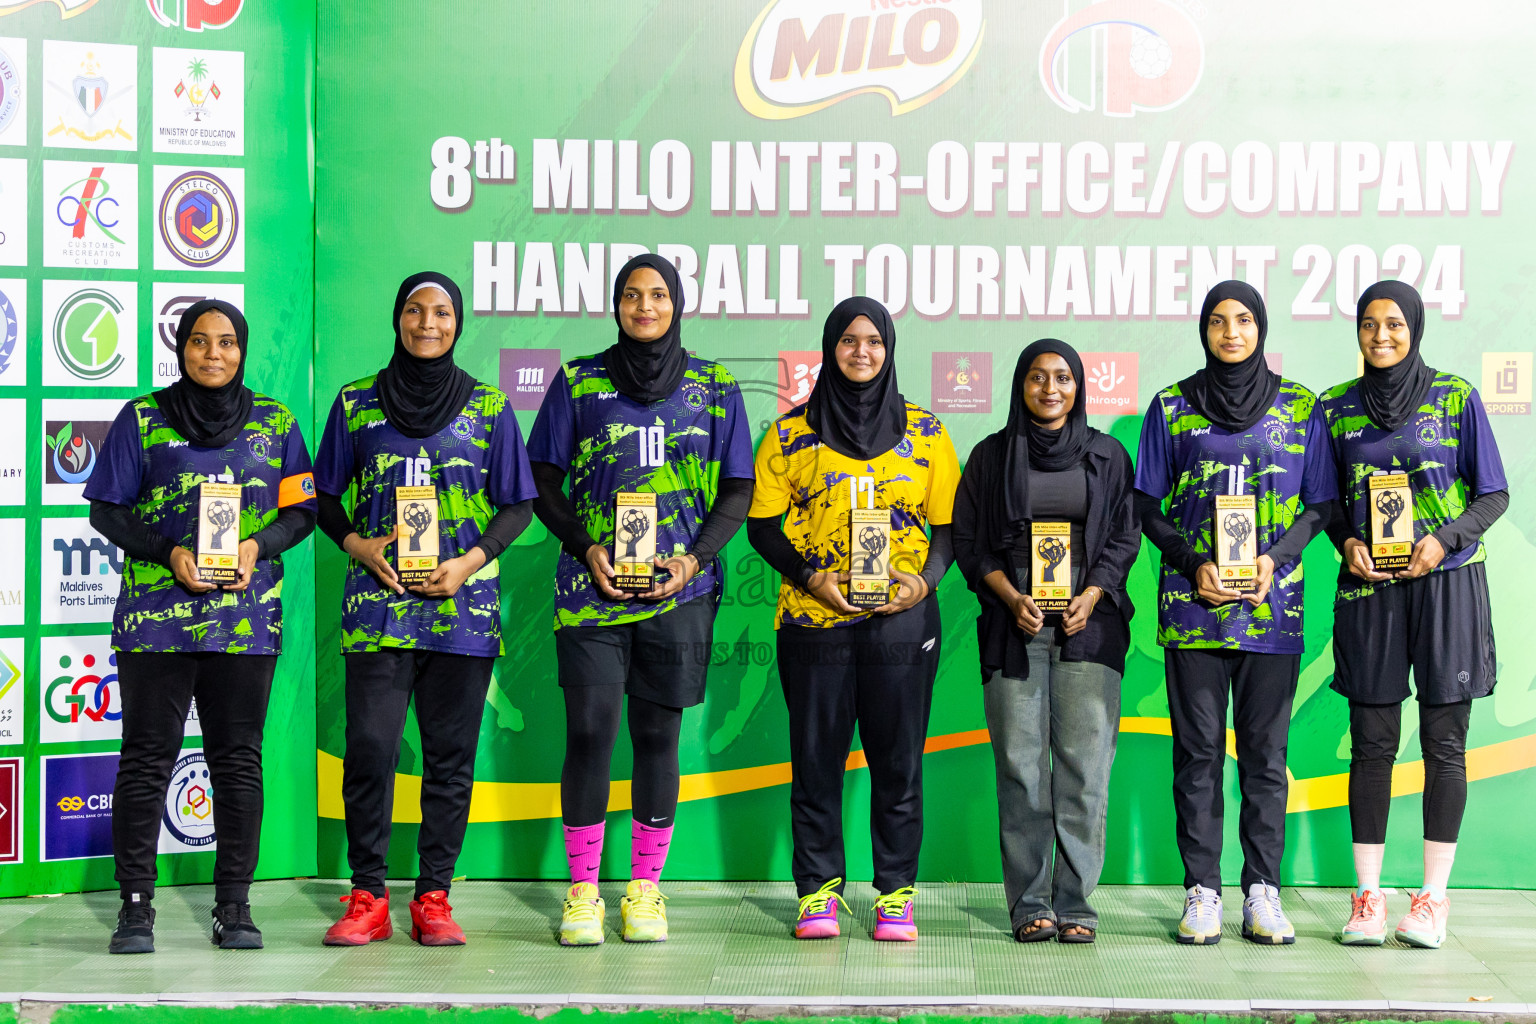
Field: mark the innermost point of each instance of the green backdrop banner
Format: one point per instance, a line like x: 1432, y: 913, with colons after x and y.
x: 152, y: 153
x: 995, y: 172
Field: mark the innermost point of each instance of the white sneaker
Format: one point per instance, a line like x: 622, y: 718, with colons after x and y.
x: 1201, y: 924
x: 1263, y: 920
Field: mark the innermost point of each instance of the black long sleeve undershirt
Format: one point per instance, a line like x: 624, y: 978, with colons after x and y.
x: 767, y: 537
x: 505, y: 526
x: 139, y: 540
x: 1179, y: 553
x: 724, y: 518
x: 1463, y: 531
x: 1312, y: 521
x: 555, y: 511
x: 941, y: 555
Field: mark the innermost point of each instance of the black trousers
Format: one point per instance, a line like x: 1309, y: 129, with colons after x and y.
x: 877, y: 674
x: 157, y: 688
x: 449, y: 692
x: 1375, y: 731
x: 1262, y: 687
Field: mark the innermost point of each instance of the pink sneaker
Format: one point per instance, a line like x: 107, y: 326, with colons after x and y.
x: 894, y: 920
x: 1425, y: 924
x: 818, y: 913
x: 1367, y: 920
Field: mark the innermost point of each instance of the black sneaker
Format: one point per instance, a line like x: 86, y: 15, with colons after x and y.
x: 233, y: 927
x: 135, y: 927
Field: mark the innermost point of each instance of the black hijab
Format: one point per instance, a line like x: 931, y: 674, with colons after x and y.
x: 1391, y: 395
x: 207, y: 417
x: 859, y: 421
x: 1024, y: 445
x: 1234, y: 396
x: 422, y: 396
x: 648, y: 371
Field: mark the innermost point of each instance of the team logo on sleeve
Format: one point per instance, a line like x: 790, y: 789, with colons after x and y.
x: 199, y: 222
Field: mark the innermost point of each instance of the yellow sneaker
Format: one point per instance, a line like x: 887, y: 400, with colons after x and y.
x: 581, y: 922
x: 644, y: 910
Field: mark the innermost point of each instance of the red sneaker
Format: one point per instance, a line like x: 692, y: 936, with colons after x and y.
x: 432, y: 921
x: 366, y: 920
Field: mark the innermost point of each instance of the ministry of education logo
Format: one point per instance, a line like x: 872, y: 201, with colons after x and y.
x: 199, y: 221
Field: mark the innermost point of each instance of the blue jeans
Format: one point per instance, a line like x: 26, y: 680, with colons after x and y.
x: 1053, y: 739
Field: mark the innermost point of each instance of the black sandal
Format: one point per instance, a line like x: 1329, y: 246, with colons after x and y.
x: 1042, y: 933
x: 1086, y: 935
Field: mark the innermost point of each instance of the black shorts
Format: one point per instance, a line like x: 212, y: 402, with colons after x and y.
x: 1439, y: 625
x: 664, y: 658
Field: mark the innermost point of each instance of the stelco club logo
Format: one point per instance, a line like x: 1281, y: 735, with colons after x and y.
x: 86, y: 334
x: 90, y: 696
x: 801, y: 56
x: 199, y: 220
x: 1122, y: 56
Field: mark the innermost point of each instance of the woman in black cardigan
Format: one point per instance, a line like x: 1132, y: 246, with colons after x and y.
x: 1052, y: 690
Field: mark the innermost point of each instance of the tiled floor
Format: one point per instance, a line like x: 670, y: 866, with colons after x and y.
x: 731, y: 945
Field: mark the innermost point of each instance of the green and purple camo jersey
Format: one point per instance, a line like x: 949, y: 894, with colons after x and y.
x: 1447, y: 449
x: 477, y: 463
x: 1283, y: 460
x: 679, y: 447
x: 147, y: 466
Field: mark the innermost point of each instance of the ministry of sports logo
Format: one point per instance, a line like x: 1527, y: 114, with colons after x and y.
x: 188, y: 815
x: 199, y: 220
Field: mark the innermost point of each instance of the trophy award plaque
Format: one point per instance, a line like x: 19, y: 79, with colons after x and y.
x: 1237, y: 522
x: 869, y: 577
x: 1050, y: 565
x: 415, y: 534
x: 1391, y: 521
x: 634, y: 549
x: 218, y: 533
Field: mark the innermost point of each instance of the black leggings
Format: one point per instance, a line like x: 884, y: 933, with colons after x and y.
x: 1374, y: 732
x: 591, y: 729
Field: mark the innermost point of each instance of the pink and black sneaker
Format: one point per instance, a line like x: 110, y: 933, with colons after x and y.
x: 818, y: 913
x: 894, y: 919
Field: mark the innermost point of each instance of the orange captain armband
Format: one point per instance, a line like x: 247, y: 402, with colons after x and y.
x: 296, y: 489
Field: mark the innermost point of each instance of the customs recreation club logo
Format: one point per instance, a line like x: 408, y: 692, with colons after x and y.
x: 193, y: 15
x: 10, y: 90
x: 801, y: 56
x: 87, y: 332
x: 88, y: 202
x: 1122, y: 56
x: 188, y: 814
x: 199, y: 219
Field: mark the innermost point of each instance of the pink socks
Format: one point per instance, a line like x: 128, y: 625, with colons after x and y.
x: 1368, y: 858
x: 648, y: 850
x: 584, y: 851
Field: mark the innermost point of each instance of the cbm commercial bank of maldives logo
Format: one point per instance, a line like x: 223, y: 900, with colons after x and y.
x: 1122, y: 56
x: 801, y: 56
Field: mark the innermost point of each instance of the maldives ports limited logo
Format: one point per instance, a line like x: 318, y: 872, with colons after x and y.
x: 199, y: 220
x: 1122, y: 56
x: 801, y: 56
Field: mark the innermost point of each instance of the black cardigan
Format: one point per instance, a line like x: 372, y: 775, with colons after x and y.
x: 1113, y: 539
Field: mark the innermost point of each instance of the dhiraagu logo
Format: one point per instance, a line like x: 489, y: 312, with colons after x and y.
x: 86, y: 334
x: 801, y: 56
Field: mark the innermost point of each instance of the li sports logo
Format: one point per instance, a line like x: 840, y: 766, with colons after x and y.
x: 1122, y: 56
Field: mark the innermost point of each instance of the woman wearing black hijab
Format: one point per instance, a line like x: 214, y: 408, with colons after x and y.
x: 421, y: 421
x: 641, y: 416
x: 1236, y: 428
x: 178, y: 638
x: 1052, y: 693
x: 1429, y: 428
x: 856, y: 444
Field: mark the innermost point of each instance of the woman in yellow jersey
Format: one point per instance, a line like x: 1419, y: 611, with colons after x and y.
x: 856, y: 444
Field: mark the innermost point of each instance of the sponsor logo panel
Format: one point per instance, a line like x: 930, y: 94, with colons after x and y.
x: 77, y: 805
x: 13, y: 91
x: 65, y: 8
x: 74, y: 430
x: 798, y: 371
x: 199, y: 101
x: 1506, y: 389
x: 13, y: 703
x: 13, y: 331
x: 80, y: 697
x: 89, y: 334
x: 962, y: 382
x: 13, y: 213
x: 801, y: 56
x: 1121, y: 56
x: 13, y: 472
x: 1111, y: 386
x: 10, y: 810
x: 186, y: 825
x: 13, y: 572
x: 199, y: 218
x: 172, y: 299
x: 90, y: 215
x: 82, y: 573
x: 90, y: 95
x: 194, y: 15
x: 526, y: 373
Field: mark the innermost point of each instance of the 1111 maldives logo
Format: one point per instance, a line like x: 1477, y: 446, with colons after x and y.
x: 199, y: 222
